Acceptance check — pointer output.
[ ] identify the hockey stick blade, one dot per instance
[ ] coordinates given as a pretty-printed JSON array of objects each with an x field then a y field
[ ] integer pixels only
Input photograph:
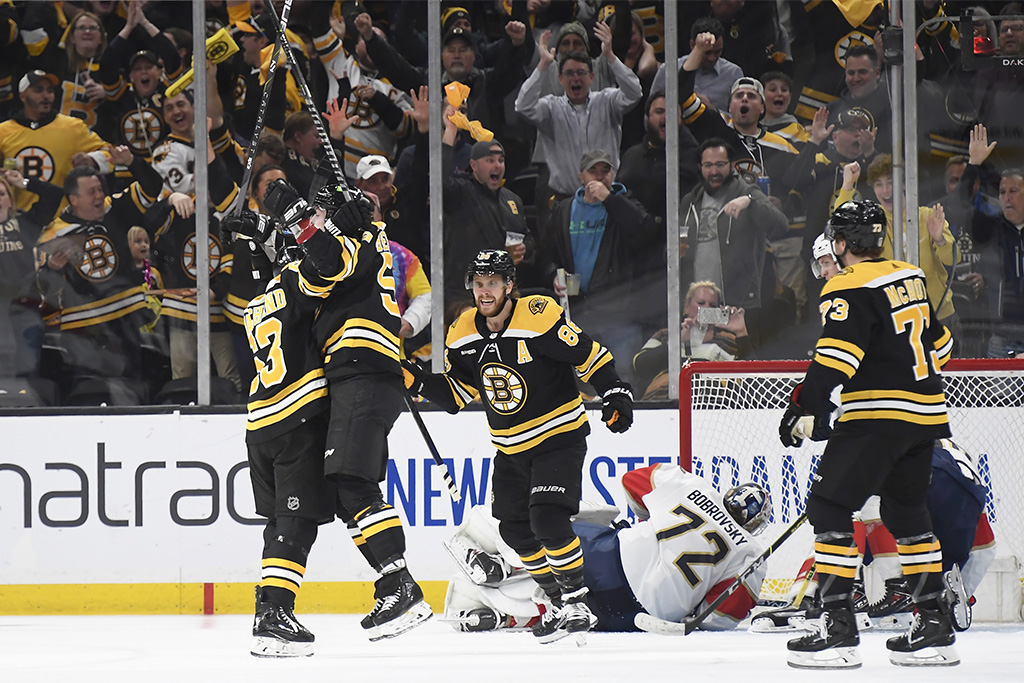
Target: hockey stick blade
[
  {"x": 691, "y": 623},
  {"x": 652, "y": 624},
  {"x": 453, "y": 490}
]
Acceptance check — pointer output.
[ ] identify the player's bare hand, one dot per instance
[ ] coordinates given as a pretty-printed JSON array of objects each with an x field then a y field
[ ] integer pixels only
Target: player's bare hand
[{"x": 979, "y": 148}]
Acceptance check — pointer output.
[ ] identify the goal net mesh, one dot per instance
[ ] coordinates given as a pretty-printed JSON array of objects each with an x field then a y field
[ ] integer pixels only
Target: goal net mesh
[{"x": 729, "y": 419}]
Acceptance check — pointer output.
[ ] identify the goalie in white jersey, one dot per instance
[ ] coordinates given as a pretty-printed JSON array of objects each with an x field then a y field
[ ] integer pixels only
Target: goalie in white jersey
[{"x": 690, "y": 545}]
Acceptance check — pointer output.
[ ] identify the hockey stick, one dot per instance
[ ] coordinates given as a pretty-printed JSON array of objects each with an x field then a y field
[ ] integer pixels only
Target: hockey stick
[
  {"x": 453, "y": 491},
  {"x": 652, "y": 624},
  {"x": 307, "y": 97},
  {"x": 254, "y": 142}
]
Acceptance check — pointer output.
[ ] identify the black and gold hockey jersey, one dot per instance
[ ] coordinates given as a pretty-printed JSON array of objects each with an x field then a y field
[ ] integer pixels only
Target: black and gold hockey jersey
[
  {"x": 883, "y": 344},
  {"x": 289, "y": 385},
  {"x": 524, "y": 375},
  {"x": 357, "y": 328}
]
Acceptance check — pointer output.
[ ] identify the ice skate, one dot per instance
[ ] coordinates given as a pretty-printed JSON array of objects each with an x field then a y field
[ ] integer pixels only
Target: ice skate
[
  {"x": 481, "y": 619},
  {"x": 277, "y": 633},
  {"x": 929, "y": 642},
  {"x": 482, "y": 568},
  {"x": 895, "y": 608},
  {"x": 548, "y": 628},
  {"x": 399, "y": 607},
  {"x": 960, "y": 602},
  {"x": 832, "y": 645},
  {"x": 576, "y": 617}
]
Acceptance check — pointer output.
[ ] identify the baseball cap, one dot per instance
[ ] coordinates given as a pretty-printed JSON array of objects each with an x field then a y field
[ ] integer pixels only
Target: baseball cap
[
  {"x": 259, "y": 25},
  {"x": 148, "y": 55},
  {"x": 482, "y": 149},
  {"x": 457, "y": 32},
  {"x": 596, "y": 156},
  {"x": 33, "y": 77},
  {"x": 371, "y": 165},
  {"x": 748, "y": 83},
  {"x": 855, "y": 116}
]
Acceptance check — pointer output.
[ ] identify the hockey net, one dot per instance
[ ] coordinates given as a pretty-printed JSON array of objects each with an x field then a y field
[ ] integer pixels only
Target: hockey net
[{"x": 729, "y": 420}]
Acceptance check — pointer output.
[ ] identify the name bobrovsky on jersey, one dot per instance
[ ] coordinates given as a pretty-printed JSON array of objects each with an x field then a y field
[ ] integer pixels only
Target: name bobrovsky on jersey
[{"x": 719, "y": 516}]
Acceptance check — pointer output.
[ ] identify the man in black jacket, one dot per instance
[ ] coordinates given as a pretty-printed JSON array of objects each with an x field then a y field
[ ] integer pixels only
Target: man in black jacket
[{"x": 612, "y": 243}]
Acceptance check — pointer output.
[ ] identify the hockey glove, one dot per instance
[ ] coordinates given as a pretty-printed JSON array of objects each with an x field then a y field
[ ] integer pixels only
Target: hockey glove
[
  {"x": 617, "y": 411},
  {"x": 284, "y": 202},
  {"x": 413, "y": 376},
  {"x": 791, "y": 429},
  {"x": 354, "y": 216},
  {"x": 255, "y": 226}
]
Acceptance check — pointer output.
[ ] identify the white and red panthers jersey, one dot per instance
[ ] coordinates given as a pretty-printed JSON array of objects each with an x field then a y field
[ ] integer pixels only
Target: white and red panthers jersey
[{"x": 688, "y": 549}]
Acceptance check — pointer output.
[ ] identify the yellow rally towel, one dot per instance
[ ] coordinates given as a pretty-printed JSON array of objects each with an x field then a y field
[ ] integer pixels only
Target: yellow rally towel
[{"x": 457, "y": 94}]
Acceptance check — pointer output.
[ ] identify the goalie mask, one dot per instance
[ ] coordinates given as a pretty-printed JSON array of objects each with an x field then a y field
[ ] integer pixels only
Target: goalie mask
[
  {"x": 750, "y": 505},
  {"x": 491, "y": 262}
]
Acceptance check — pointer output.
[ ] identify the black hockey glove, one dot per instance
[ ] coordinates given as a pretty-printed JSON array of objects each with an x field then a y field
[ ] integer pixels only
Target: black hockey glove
[
  {"x": 283, "y": 202},
  {"x": 354, "y": 216},
  {"x": 255, "y": 226},
  {"x": 413, "y": 375},
  {"x": 789, "y": 435},
  {"x": 617, "y": 411}
]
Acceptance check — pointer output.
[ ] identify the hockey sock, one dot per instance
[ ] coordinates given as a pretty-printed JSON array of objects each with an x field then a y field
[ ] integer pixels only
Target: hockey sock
[
  {"x": 836, "y": 559},
  {"x": 536, "y": 563},
  {"x": 566, "y": 560},
  {"x": 362, "y": 546},
  {"x": 286, "y": 545},
  {"x": 921, "y": 558},
  {"x": 381, "y": 529}
]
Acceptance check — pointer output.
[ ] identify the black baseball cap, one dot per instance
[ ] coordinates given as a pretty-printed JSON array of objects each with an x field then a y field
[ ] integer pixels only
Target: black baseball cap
[{"x": 148, "y": 55}]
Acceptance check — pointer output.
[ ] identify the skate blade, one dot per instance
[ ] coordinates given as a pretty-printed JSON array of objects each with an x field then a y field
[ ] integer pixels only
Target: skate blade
[
  {"x": 832, "y": 658},
  {"x": 265, "y": 646},
  {"x": 863, "y": 621},
  {"x": 416, "y": 615},
  {"x": 960, "y": 607},
  {"x": 769, "y": 625},
  {"x": 900, "y": 621},
  {"x": 581, "y": 638},
  {"x": 552, "y": 637},
  {"x": 474, "y": 574},
  {"x": 929, "y": 656}
]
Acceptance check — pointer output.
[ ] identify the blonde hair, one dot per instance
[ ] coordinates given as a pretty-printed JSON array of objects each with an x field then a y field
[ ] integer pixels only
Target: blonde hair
[
  {"x": 701, "y": 284},
  {"x": 134, "y": 231}
]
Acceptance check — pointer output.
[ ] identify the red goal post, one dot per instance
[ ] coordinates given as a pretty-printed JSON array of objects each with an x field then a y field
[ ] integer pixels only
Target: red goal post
[{"x": 729, "y": 414}]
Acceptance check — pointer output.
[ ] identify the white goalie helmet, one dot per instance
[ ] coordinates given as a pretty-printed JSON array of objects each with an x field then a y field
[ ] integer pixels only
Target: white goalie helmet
[
  {"x": 822, "y": 247},
  {"x": 750, "y": 505}
]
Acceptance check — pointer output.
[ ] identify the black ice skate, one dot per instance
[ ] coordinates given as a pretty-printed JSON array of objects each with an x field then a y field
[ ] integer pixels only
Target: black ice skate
[
  {"x": 400, "y": 606},
  {"x": 929, "y": 642},
  {"x": 576, "y": 616},
  {"x": 548, "y": 628},
  {"x": 832, "y": 644},
  {"x": 277, "y": 633},
  {"x": 482, "y": 568},
  {"x": 895, "y": 609},
  {"x": 482, "y": 619}
]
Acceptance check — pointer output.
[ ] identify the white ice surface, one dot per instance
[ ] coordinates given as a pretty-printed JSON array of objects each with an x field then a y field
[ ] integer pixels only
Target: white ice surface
[{"x": 190, "y": 649}]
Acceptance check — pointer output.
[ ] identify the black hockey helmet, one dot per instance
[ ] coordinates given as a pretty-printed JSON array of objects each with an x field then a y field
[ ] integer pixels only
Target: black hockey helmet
[
  {"x": 330, "y": 198},
  {"x": 860, "y": 222},
  {"x": 491, "y": 262},
  {"x": 750, "y": 505}
]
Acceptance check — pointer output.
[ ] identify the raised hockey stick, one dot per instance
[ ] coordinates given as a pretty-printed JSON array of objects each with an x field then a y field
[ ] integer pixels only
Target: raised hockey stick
[
  {"x": 652, "y": 624},
  {"x": 254, "y": 141},
  {"x": 453, "y": 490}
]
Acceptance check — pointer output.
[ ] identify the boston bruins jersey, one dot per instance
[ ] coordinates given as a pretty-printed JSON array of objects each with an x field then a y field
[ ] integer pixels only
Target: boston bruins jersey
[
  {"x": 883, "y": 344},
  {"x": 688, "y": 548},
  {"x": 289, "y": 385},
  {"x": 357, "y": 328},
  {"x": 524, "y": 375},
  {"x": 175, "y": 161},
  {"x": 44, "y": 148},
  {"x": 101, "y": 284}
]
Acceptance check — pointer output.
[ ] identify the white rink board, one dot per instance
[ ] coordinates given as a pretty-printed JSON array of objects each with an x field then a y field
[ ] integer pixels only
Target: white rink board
[{"x": 167, "y": 498}]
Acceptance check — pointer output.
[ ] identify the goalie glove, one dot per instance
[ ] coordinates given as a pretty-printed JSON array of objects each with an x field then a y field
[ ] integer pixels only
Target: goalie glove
[
  {"x": 791, "y": 430},
  {"x": 412, "y": 375},
  {"x": 255, "y": 226},
  {"x": 617, "y": 411}
]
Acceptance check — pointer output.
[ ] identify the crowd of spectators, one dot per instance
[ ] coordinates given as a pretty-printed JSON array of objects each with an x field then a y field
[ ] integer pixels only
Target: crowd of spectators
[{"x": 553, "y": 147}]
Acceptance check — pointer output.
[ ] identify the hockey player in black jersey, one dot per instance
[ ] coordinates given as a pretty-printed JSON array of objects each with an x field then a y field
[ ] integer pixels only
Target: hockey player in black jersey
[
  {"x": 883, "y": 348},
  {"x": 356, "y": 333},
  {"x": 520, "y": 356}
]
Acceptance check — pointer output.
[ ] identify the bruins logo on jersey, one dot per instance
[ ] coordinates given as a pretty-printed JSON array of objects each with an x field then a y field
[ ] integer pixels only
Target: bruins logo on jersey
[
  {"x": 36, "y": 162},
  {"x": 504, "y": 388},
  {"x": 850, "y": 40},
  {"x": 99, "y": 262},
  {"x": 141, "y": 129},
  {"x": 189, "y": 256},
  {"x": 537, "y": 306},
  {"x": 749, "y": 170}
]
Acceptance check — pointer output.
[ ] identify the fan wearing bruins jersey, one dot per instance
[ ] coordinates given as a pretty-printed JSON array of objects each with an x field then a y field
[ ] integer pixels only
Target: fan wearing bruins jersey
[
  {"x": 521, "y": 356},
  {"x": 89, "y": 279},
  {"x": 356, "y": 331},
  {"x": 882, "y": 349}
]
